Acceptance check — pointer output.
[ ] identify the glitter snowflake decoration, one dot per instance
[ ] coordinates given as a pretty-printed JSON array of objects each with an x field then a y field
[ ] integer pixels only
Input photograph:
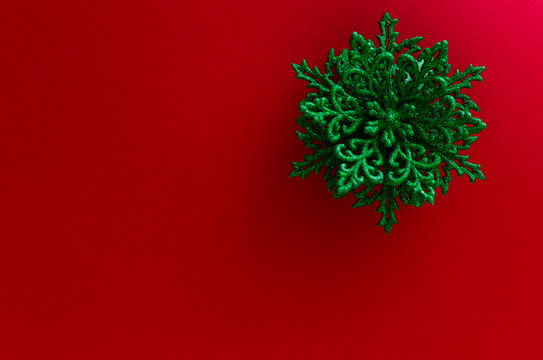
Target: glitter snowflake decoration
[{"x": 385, "y": 124}]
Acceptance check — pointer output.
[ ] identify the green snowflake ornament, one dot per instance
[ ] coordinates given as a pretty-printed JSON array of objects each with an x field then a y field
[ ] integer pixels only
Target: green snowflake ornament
[{"x": 385, "y": 124}]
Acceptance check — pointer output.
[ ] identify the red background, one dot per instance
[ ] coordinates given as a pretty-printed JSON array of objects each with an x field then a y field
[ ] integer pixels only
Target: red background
[{"x": 146, "y": 210}]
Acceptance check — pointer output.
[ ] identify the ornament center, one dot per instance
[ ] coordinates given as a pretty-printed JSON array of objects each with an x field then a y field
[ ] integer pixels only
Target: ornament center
[{"x": 390, "y": 118}]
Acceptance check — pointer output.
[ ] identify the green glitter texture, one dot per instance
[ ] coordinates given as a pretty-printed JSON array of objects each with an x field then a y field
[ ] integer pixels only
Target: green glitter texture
[{"x": 385, "y": 124}]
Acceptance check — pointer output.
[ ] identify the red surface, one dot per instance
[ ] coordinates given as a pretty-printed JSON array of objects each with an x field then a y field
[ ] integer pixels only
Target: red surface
[{"x": 146, "y": 211}]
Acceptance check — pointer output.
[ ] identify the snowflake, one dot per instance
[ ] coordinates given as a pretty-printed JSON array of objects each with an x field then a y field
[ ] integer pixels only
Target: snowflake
[{"x": 385, "y": 124}]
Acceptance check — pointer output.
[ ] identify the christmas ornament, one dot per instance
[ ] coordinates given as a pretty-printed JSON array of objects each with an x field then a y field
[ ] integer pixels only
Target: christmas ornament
[{"x": 387, "y": 122}]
